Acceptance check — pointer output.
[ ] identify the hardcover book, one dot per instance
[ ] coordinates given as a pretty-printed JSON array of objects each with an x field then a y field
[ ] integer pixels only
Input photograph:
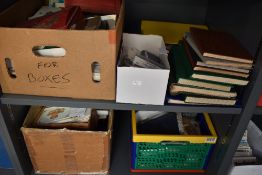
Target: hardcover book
[
  {"x": 200, "y": 100},
  {"x": 195, "y": 63},
  {"x": 220, "y": 45},
  {"x": 190, "y": 90},
  {"x": 213, "y": 61}
]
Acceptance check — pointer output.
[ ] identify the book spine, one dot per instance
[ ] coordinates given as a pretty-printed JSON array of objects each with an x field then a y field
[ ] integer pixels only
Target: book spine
[
  {"x": 209, "y": 85},
  {"x": 222, "y": 72},
  {"x": 229, "y": 64},
  {"x": 210, "y": 101},
  {"x": 223, "y": 67},
  {"x": 176, "y": 89},
  {"x": 228, "y": 58},
  {"x": 221, "y": 79}
]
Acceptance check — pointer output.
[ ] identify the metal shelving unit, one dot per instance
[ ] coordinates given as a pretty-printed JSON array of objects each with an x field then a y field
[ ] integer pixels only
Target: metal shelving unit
[
  {"x": 231, "y": 127},
  {"x": 10, "y": 122}
]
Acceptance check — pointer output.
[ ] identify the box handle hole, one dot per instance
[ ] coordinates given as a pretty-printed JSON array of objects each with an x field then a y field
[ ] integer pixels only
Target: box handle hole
[
  {"x": 48, "y": 51},
  {"x": 96, "y": 72},
  {"x": 10, "y": 68}
]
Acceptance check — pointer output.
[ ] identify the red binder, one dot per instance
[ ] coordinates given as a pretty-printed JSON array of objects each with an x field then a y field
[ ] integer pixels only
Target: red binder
[
  {"x": 96, "y": 6},
  {"x": 260, "y": 102}
]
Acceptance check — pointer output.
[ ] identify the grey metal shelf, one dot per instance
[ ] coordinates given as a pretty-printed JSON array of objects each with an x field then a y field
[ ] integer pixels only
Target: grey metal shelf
[
  {"x": 258, "y": 111},
  {"x": 56, "y": 101}
]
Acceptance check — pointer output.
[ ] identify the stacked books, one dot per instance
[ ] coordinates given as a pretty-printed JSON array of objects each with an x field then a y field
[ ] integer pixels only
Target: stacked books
[
  {"x": 205, "y": 68},
  {"x": 243, "y": 155}
]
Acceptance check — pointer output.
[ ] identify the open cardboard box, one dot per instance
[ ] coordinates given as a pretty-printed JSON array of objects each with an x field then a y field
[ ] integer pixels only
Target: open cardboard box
[
  {"x": 68, "y": 76},
  {"x": 63, "y": 151},
  {"x": 142, "y": 85}
]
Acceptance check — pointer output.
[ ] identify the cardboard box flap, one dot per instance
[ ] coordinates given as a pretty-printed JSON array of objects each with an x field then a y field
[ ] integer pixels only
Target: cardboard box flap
[
  {"x": 32, "y": 115},
  {"x": 119, "y": 27}
]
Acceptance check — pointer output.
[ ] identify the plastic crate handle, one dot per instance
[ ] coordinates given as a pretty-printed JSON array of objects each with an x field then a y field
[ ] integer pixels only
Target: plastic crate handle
[{"x": 174, "y": 142}]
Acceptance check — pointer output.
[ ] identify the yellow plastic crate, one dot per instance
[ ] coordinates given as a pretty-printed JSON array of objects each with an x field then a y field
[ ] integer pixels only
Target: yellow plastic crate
[
  {"x": 170, "y": 31},
  {"x": 210, "y": 139}
]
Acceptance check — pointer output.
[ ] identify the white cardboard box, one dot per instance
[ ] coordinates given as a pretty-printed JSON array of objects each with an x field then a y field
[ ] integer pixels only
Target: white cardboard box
[{"x": 141, "y": 85}]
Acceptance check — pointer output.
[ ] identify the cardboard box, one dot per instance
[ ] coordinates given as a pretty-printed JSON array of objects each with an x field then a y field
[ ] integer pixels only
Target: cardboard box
[
  {"x": 141, "y": 85},
  {"x": 63, "y": 151},
  {"x": 68, "y": 76}
]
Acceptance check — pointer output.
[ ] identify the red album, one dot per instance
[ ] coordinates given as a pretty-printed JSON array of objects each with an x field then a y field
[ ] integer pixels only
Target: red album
[
  {"x": 96, "y": 6},
  {"x": 58, "y": 20},
  {"x": 260, "y": 102}
]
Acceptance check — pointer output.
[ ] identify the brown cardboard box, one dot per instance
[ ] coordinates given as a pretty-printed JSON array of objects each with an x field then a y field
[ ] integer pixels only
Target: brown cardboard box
[
  {"x": 68, "y": 76},
  {"x": 62, "y": 151}
]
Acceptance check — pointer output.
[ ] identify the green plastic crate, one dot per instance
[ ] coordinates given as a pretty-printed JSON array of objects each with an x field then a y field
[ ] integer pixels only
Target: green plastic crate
[{"x": 170, "y": 156}]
